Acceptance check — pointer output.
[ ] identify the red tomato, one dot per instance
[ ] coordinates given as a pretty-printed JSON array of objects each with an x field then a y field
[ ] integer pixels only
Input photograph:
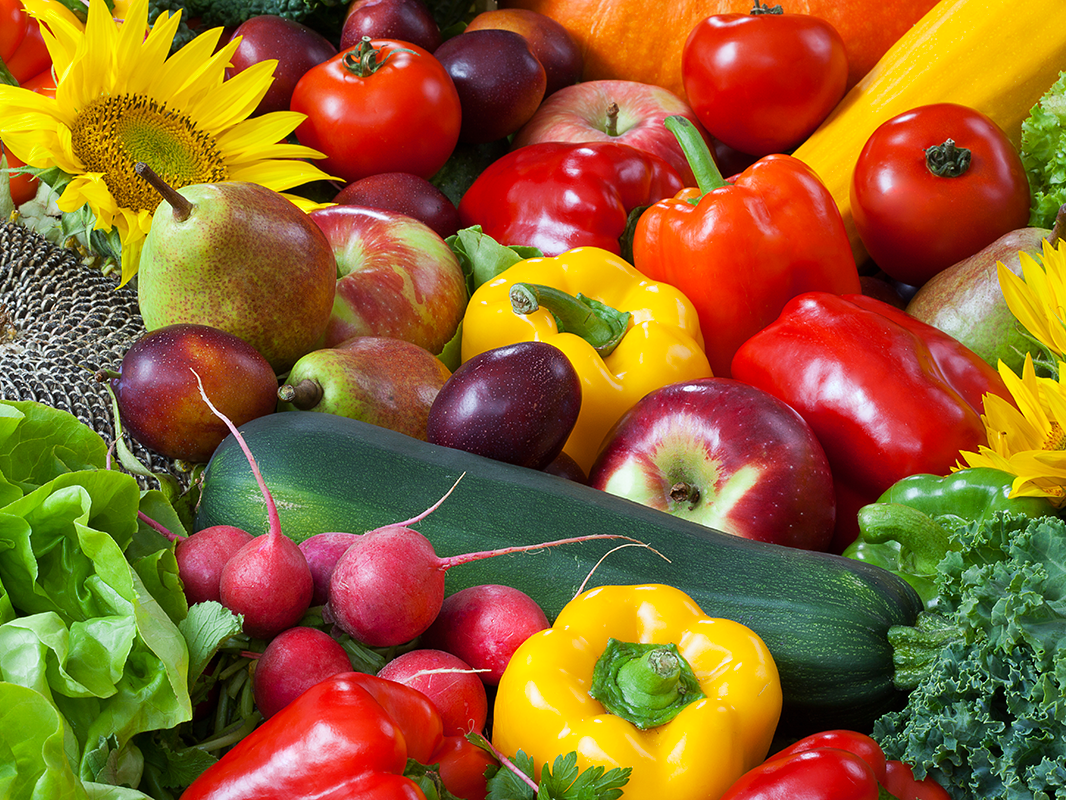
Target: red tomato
[
  {"x": 915, "y": 222},
  {"x": 401, "y": 114},
  {"x": 762, "y": 82},
  {"x": 23, "y": 187},
  {"x": 13, "y": 20},
  {"x": 31, "y": 57}
]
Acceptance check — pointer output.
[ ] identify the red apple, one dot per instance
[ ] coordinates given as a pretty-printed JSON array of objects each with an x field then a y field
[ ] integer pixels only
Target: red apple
[
  {"x": 296, "y": 48},
  {"x": 618, "y": 111},
  {"x": 550, "y": 42},
  {"x": 395, "y": 277},
  {"x": 724, "y": 454}
]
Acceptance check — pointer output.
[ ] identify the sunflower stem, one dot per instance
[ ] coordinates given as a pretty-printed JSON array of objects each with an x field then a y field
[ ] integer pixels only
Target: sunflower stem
[{"x": 181, "y": 205}]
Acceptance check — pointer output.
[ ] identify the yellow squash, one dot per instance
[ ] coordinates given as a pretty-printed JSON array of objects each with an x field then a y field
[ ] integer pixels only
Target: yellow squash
[{"x": 997, "y": 56}]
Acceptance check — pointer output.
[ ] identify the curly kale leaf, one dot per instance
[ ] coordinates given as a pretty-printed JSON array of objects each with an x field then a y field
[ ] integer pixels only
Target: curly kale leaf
[
  {"x": 989, "y": 717},
  {"x": 1043, "y": 152}
]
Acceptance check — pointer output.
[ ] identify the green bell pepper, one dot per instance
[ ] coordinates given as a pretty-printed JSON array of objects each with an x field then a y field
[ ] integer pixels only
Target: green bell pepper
[{"x": 906, "y": 531}]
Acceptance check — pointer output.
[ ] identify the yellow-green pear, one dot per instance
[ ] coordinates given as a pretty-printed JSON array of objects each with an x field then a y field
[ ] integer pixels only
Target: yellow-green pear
[{"x": 241, "y": 257}]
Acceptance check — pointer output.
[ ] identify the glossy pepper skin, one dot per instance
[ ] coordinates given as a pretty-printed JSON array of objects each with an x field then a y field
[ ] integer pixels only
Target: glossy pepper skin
[
  {"x": 887, "y": 396},
  {"x": 556, "y": 196},
  {"x": 544, "y": 708},
  {"x": 348, "y": 736},
  {"x": 906, "y": 530},
  {"x": 741, "y": 249},
  {"x": 833, "y": 765},
  {"x": 661, "y": 342}
]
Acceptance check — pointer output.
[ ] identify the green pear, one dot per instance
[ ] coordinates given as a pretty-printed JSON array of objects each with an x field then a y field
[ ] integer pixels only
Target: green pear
[
  {"x": 965, "y": 300},
  {"x": 377, "y": 379},
  {"x": 240, "y": 257}
]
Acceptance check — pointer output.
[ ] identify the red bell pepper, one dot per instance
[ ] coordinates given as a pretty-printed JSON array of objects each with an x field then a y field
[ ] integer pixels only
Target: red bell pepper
[
  {"x": 886, "y": 395},
  {"x": 348, "y": 736},
  {"x": 833, "y": 765},
  {"x": 740, "y": 250},
  {"x": 556, "y": 196}
]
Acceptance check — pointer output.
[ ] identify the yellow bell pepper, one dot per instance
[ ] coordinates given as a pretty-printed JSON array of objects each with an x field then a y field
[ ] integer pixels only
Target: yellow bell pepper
[
  {"x": 608, "y": 681},
  {"x": 658, "y": 343}
]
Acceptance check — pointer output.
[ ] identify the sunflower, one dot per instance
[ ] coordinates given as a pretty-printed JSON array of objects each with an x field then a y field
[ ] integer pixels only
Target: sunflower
[
  {"x": 120, "y": 99},
  {"x": 1038, "y": 297},
  {"x": 1027, "y": 441}
]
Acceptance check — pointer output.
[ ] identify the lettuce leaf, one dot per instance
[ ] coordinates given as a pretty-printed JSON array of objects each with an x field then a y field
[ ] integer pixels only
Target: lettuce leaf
[
  {"x": 90, "y": 603},
  {"x": 989, "y": 717},
  {"x": 1043, "y": 153}
]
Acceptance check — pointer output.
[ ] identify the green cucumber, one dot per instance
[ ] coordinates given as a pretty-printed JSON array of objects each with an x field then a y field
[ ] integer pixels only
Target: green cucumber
[{"x": 824, "y": 618}]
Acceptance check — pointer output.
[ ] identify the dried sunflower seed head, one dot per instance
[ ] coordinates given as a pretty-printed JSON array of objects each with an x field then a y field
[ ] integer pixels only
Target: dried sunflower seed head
[{"x": 60, "y": 322}]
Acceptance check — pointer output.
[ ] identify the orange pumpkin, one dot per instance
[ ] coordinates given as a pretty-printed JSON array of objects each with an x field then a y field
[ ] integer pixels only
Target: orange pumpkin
[{"x": 642, "y": 40}]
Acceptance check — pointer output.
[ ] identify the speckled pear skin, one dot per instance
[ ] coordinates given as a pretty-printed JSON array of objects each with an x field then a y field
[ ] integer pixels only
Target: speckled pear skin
[
  {"x": 248, "y": 261},
  {"x": 966, "y": 302}
]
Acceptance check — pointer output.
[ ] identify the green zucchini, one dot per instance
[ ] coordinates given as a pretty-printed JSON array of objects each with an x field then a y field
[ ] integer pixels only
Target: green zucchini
[{"x": 824, "y": 618}]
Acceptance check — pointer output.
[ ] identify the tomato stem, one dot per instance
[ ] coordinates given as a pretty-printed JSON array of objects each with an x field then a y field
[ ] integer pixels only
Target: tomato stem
[
  {"x": 761, "y": 9},
  {"x": 697, "y": 153},
  {"x": 362, "y": 60},
  {"x": 947, "y": 160}
]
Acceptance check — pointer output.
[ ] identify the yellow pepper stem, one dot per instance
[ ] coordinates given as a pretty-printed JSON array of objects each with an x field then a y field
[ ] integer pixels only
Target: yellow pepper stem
[
  {"x": 645, "y": 684},
  {"x": 597, "y": 323}
]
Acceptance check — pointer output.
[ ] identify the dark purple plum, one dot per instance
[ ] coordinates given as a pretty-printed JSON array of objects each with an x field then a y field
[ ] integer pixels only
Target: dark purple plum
[
  {"x": 404, "y": 193},
  {"x": 550, "y": 42},
  {"x": 158, "y": 399},
  {"x": 499, "y": 80},
  {"x": 516, "y": 403},
  {"x": 405, "y": 20},
  {"x": 296, "y": 47}
]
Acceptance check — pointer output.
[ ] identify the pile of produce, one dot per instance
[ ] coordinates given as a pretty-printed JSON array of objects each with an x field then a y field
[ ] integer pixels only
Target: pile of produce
[{"x": 540, "y": 400}]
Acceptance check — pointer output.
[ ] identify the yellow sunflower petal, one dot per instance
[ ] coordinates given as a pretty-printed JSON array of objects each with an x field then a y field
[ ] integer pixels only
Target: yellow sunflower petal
[
  {"x": 236, "y": 98},
  {"x": 122, "y": 97}
]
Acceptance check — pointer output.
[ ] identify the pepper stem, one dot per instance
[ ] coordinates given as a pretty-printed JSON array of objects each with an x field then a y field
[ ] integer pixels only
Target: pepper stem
[
  {"x": 947, "y": 160},
  {"x": 645, "y": 684},
  {"x": 697, "y": 153},
  {"x": 922, "y": 538},
  {"x": 597, "y": 323}
]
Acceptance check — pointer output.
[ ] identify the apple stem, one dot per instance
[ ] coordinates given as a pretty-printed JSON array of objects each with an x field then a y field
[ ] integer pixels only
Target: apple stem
[
  {"x": 685, "y": 493},
  {"x": 305, "y": 395},
  {"x": 612, "y": 119},
  {"x": 181, "y": 205}
]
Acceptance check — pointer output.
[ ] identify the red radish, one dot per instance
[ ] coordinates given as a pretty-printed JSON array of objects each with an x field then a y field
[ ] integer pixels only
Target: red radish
[
  {"x": 294, "y": 661},
  {"x": 201, "y": 558},
  {"x": 388, "y": 587},
  {"x": 322, "y": 551},
  {"x": 483, "y": 625},
  {"x": 450, "y": 684},
  {"x": 267, "y": 580}
]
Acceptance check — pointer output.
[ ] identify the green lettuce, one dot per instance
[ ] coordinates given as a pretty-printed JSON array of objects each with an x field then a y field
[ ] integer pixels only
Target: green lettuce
[
  {"x": 1043, "y": 152},
  {"x": 91, "y": 653},
  {"x": 986, "y": 712}
]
